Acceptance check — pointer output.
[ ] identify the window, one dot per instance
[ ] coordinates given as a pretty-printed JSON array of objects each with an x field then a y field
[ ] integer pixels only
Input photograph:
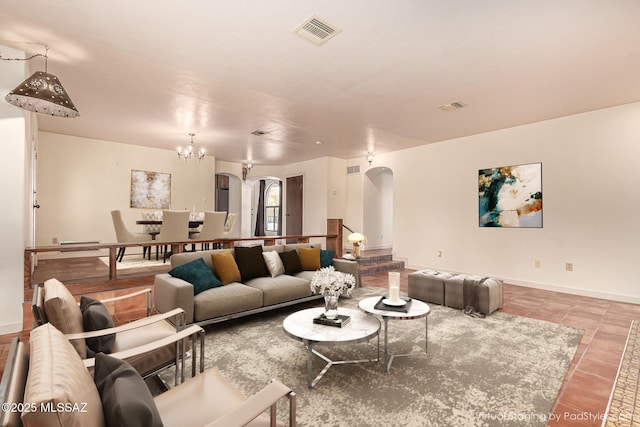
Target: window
[{"x": 272, "y": 207}]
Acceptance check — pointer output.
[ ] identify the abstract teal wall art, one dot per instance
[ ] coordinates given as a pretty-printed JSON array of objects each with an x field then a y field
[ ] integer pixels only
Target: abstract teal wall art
[{"x": 511, "y": 196}]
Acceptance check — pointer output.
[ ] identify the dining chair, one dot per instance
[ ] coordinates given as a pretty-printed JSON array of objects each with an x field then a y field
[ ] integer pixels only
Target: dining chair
[
  {"x": 232, "y": 218},
  {"x": 175, "y": 228},
  {"x": 123, "y": 235},
  {"x": 212, "y": 228}
]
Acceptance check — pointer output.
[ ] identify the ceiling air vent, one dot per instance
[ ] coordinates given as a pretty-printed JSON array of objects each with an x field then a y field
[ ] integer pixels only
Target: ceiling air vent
[
  {"x": 353, "y": 169},
  {"x": 258, "y": 132},
  {"x": 316, "y": 31},
  {"x": 455, "y": 105}
]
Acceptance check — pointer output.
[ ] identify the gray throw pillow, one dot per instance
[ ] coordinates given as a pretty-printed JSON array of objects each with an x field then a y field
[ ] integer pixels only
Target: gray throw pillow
[
  {"x": 126, "y": 399},
  {"x": 96, "y": 317}
]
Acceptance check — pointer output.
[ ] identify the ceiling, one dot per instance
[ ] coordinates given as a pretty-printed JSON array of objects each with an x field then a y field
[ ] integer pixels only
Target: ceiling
[{"x": 149, "y": 72}]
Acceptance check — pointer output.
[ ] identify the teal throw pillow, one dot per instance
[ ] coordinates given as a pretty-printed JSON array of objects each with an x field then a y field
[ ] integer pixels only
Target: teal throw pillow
[
  {"x": 326, "y": 258},
  {"x": 198, "y": 273}
]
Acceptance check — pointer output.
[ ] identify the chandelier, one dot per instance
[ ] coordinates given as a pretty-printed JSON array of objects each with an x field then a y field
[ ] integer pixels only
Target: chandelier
[
  {"x": 190, "y": 151},
  {"x": 42, "y": 93}
]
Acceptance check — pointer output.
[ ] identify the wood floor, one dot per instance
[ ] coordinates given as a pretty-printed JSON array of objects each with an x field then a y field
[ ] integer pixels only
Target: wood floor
[{"x": 584, "y": 395}]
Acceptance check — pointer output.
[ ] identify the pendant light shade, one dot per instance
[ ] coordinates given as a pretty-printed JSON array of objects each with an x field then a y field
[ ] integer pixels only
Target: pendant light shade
[{"x": 43, "y": 93}]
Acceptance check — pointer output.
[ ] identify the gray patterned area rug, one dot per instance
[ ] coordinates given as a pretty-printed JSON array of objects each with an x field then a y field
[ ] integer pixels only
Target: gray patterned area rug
[{"x": 503, "y": 370}]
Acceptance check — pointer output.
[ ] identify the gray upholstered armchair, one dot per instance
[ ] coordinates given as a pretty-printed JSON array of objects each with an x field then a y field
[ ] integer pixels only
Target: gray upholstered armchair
[
  {"x": 34, "y": 382},
  {"x": 53, "y": 303}
]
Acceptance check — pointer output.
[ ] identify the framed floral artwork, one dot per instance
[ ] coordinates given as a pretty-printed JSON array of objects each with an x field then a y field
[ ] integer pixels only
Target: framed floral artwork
[{"x": 150, "y": 190}]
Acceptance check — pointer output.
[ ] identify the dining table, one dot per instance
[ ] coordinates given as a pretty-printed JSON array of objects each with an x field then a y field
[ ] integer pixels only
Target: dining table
[{"x": 192, "y": 223}]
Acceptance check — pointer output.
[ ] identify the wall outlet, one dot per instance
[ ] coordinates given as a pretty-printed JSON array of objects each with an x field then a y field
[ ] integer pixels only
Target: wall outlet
[
  {"x": 54, "y": 240},
  {"x": 537, "y": 263},
  {"x": 568, "y": 266}
]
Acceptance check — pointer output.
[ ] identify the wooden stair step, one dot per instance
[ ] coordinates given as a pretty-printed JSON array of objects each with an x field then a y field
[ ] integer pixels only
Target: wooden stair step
[
  {"x": 376, "y": 259},
  {"x": 380, "y": 267}
]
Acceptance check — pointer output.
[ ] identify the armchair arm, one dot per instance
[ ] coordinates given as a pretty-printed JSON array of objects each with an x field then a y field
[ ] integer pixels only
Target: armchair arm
[
  {"x": 125, "y": 354},
  {"x": 146, "y": 291},
  {"x": 170, "y": 292},
  {"x": 132, "y": 325},
  {"x": 257, "y": 404}
]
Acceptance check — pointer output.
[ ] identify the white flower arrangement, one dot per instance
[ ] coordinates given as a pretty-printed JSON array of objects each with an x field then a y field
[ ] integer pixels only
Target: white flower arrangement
[{"x": 328, "y": 281}]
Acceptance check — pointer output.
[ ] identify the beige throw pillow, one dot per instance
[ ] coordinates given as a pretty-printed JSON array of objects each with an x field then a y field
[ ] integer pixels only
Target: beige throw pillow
[{"x": 274, "y": 263}]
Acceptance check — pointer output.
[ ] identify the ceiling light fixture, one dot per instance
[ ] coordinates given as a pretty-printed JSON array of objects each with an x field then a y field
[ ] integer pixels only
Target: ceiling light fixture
[
  {"x": 190, "y": 151},
  {"x": 246, "y": 167},
  {"x": 370, "y": 157},
  {"x": 42, "y": 92}
]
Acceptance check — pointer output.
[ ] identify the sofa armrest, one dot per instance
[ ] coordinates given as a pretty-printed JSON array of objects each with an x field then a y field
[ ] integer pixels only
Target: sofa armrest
[
  {"x": 346, "y": 266},
  {"x": 170, "y": 292}
]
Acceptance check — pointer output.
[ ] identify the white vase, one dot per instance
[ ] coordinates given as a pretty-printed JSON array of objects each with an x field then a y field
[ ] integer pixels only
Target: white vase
[{"x": 331, "y": 306}]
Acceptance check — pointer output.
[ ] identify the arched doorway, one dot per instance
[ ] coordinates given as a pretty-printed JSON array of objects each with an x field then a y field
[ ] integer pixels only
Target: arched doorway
[{"x": 378, "y": 208}]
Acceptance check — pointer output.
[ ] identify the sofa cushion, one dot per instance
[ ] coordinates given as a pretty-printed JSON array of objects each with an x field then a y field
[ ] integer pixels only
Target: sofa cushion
[
  {"x": 63, "y": 312},
  {"x": 326, "y": 258},
  {"x": 198, "y": 273},
  {"x": 250, "y": 262},
  {"x": 228, "y": 299},
  {"x": 226, "y": 267},
  {"x": 291, "y": 262},
  {"x": 126, "y": 399},
  {"x": 280, "y": 289},
  {"x": 96, "y": 317},
  {"x": 273, "y": 262},
  {"x": 58, "y": 379},
  {"x": 309, "y": 258}
]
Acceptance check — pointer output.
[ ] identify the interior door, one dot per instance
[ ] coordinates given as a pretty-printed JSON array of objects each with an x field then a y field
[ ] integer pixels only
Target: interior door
[{"x": 294, "y": 205}]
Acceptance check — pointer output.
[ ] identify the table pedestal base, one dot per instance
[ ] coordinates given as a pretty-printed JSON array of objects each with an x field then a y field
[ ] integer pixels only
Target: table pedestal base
[
  {"x": 311, "y": 382},
  {"x": 388, "y": 357}
]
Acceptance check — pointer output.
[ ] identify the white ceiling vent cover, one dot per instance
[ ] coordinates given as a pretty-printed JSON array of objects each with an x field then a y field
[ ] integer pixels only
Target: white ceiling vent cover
[
  {"x": 353, "y": 169},
  {"x": 316, "y": 30},
  {"x": 455, "y": 105}
]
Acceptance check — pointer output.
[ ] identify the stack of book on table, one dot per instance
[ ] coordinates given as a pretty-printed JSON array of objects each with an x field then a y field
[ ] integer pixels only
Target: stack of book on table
[{"x": 338, "y": 322}]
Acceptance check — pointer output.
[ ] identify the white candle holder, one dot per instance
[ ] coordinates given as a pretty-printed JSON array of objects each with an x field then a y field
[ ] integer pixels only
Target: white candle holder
[{"x": 394, "y": 286}]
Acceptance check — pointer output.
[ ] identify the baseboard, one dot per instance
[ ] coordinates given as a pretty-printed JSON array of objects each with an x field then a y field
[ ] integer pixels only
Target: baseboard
[
  {"x": 10, "y": 328},
  {"x": 577, "y": 291},
  {"x": 555, "y": 288}
]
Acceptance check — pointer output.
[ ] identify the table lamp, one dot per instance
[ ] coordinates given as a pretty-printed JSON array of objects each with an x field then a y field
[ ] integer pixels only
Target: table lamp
[{"x": 356, "y": 239}]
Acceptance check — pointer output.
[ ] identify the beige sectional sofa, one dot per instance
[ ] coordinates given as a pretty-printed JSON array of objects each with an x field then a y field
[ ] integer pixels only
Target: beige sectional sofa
[{"x": 245, "y": 296}]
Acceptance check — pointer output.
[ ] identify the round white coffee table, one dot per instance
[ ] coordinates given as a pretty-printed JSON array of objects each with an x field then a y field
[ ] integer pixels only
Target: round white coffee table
[
  {"x": 417, "y": 310},
  {"x": 360, "y": 328}
]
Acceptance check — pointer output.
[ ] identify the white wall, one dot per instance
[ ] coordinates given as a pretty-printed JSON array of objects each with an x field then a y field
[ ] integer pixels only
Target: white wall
[
  {"x": 590, "y": 204},
  {"x": 80, "y": 181},
  {"x": 14, "y": 165}
]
